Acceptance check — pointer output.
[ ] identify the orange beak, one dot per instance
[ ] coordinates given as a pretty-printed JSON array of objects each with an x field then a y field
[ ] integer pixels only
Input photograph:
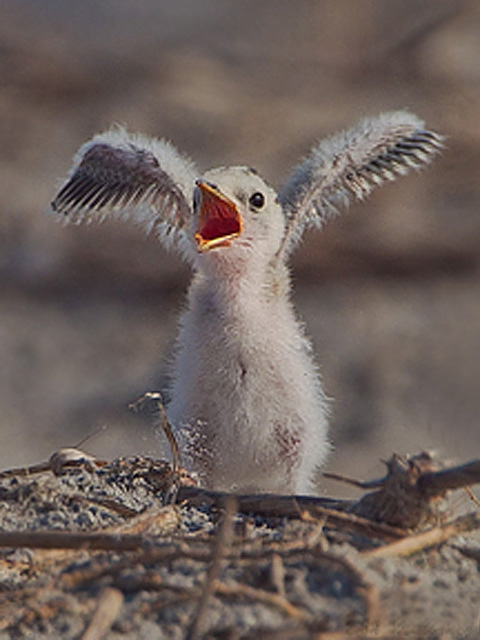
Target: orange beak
[{"x": 219, "y": 220}]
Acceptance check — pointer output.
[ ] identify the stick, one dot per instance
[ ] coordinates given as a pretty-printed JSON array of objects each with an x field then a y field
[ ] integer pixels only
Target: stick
[
  {"x": 108, "y": 608},
  {"x": 141, "y": 403},
  {"x": 222, "y": 544},
  {"x": 294, "y": 507},
  {"x": 431, "y": 538}
]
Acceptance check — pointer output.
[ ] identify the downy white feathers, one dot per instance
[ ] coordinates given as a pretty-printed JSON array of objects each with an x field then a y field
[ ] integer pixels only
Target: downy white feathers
[{"x": 247, "y": 403}]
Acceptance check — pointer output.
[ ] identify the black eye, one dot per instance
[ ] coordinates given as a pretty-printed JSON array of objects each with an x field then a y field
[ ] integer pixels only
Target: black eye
[
  {"x": 196, "y": 198},
  {"x": 257, "y": 200}
]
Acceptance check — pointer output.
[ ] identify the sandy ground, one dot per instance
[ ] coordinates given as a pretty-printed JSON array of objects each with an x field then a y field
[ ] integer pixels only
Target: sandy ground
[
  {"x": 97, "y": 553},
  {"x": 389, "y": 292}
]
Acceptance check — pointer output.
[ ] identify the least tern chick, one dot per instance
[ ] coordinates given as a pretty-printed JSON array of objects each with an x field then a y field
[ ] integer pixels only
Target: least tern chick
[{"x": 248, "y": 405}]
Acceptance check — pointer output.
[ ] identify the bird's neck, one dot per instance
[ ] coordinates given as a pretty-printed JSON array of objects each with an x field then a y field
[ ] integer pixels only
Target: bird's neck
[
  {"x": 237, "y": 286},
  {"x": 229, "y": 270}
]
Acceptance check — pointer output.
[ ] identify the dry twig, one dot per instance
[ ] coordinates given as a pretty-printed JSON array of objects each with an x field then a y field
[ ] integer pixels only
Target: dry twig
[
  {"x": 161, "y": 420},
  {"x": 472, "y": 497},
  {"x": 432, "y": 537},
  {"x": 108, "y": 608},
  {"x": 271, "y": 505},
  {"x": 244, "y": 591},
  {"x": 222, "y": 544},
  {"x": 145, "y": 402},
  {"x": 277, "y": 574},
  {"x": 72, "y": 540},
  {"x": 406, "y": 496}
]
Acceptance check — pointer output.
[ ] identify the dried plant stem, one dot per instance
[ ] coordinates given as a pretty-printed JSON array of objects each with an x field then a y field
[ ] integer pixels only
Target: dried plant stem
[
  {"x": 108, "y": 608},
  {"x": 352, "y": 481},
  {"x": 259, "y": 595},
  {"x": 295, "y": 507},
  {"x": 222, "y": 544},
  {"x": 432, "y": 537},
  {"x": 69, "y": 540},
  {"x": 472, "y": 496},
  {"x": 436, "y": 482},
  {"x": 162, "y": 420}
]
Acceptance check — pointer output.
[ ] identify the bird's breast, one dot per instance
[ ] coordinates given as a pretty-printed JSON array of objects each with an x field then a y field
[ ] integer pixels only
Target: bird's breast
[
  {"x": 236, "y": 356},
  {"x": 245, "y": 389}
]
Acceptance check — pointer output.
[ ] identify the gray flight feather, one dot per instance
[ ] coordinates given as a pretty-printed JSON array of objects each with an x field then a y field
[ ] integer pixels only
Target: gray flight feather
[
  {"x": 348, "y": 166},
  {"x": 131, "y": 177}
]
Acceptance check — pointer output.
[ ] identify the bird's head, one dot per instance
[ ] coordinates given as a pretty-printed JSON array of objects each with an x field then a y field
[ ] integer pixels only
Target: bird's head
[{"x": 237, "y": 215}]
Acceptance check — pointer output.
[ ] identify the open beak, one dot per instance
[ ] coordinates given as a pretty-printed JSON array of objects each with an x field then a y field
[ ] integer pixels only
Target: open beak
[{"x": 219, "y": 220}]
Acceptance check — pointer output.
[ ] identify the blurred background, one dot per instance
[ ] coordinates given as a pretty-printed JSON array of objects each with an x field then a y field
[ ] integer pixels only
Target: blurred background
[{"x": 389, "y": 292}]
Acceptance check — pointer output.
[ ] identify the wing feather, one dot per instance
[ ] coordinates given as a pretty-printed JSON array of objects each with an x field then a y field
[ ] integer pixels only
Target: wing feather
[
  {"x": 349, "y": 165},
  {"x": 130, "y": 177}
]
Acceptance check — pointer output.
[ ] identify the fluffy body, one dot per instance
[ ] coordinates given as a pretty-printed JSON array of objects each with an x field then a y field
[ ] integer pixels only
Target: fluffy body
[
  {"x": 246, "y": 398},
  {"x": 247, "y": 402}
]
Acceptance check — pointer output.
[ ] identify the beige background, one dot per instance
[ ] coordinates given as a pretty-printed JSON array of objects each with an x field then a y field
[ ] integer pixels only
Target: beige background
[{"x": 389, "y": 292}]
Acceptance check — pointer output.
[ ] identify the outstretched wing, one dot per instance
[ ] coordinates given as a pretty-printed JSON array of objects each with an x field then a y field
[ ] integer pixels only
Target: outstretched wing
[
  {"x": 130, "y": 177},
  {"x": 349, "y": 165}
]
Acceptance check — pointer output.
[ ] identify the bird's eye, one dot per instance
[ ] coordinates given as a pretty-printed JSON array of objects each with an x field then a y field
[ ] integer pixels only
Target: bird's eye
[
  {"x": 195, "y": 200},
  {"x": 257, "y": 200}
]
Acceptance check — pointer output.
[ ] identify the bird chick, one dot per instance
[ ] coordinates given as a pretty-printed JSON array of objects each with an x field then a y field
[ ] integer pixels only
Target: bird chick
[
  {"x": 246, "y": 395},
  {"x": 247, "y": 406}
]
